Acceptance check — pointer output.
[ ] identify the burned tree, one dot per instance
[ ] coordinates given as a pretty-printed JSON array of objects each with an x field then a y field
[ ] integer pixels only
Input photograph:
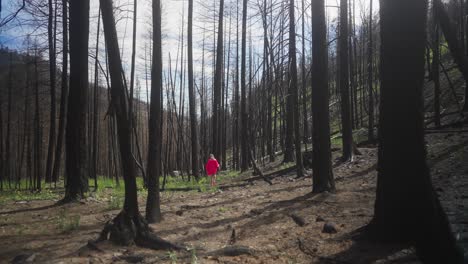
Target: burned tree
[
  {"x": 407, "y": 209},
  {"x": 129, "y": 225},
  {"x": 321, "y": 154}
]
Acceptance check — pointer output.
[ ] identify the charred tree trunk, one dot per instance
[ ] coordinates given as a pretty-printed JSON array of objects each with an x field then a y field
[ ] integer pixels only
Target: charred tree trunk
[
  {"x": 37, "y": 129},
  {"x": 370, "y": 88},
  {"x": 52, "y": 71},
  {"x": 407, "y": 209},
  {"x": 454, "y": 45},
  {"x": 75, "y": 140},
  {"x": 217, "y": 85},
  {"x": 94, "y": 156},
  {"x": 128, "y": 226},
  {"x": 346, "y": 124},
  {"x": 153, "y": 205},
  {"x": 64, "y": 93},
  {"x": 293, "y": 89},
  {"x": 321, "y": 155},
  {"x": 436, "y": 70},
  {"x": 244, "y": 157},
  {"x": 192, "y": 99}
]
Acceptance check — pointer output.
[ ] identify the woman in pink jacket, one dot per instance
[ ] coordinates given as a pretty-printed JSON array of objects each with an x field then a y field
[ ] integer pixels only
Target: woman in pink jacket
[{"x": 211, "y": 168}]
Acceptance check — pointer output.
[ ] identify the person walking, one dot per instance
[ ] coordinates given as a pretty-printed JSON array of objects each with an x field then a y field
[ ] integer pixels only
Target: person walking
[{"x": 212, "y": 167}]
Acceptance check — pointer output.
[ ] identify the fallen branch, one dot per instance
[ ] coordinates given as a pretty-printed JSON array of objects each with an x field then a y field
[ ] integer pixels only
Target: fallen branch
[
  {"x": 272, "y": 174},
  {"x": 232, "y": 251},
  {"x": 257, "y": 169}
]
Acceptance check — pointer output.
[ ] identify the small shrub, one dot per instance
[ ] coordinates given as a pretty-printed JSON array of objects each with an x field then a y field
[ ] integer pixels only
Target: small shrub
[
  {"x": 172, "y": 256},
  {"x": 115, "y": 202},
  {"x": 68, "y": 223},
  {"x": 194, "y": 258}
]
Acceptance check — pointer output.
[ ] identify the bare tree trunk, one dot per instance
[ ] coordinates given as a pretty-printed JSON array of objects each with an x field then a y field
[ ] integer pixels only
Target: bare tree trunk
[
  {"x": 244, "y": 120},
  {"x": 94, "y": 156},
  {"x": 436, "y": 69},
  {"x": 455, "y": 48},
  {"x": 128, "y": 226},
  {"x": 370, "y": 71},
  {"x": 192, "y": 99},
  {"x": 293, "y": 89},
  {"x": 52, "y": 71},
  {"x": 407, "y": 209},
  {"x": 347, "y": 132},
  {"x": 321, "y": 155},
  {"x": 64, "y": 93},
  {"x": 37, "y": 129},
  {"x": 8, "y": 161},
  {"x": 76, "y": 143},
  {"x": 153, "y": 207},
  {"x": 217, "y": 85},
  {"x": 305, "y": 135}
]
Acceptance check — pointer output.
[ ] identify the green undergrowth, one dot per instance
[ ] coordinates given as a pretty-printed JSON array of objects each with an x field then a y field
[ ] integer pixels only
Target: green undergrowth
[
  {"x": 108, "y": 190},
  {"x": 67, "y": 222},
  {"x": 27, "y": 195}
]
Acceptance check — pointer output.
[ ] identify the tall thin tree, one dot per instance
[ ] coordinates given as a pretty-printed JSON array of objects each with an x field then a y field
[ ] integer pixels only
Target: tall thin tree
[
  {"x": 75, "y": 139},
  {"x": 346, "y": 125},
  {"x": 153, "y": 204},
  {"x": 293, "y": 89},
  {"x": 52, "y": 71},
  {"x": 321, "y": 155},
  {"x": 64, "y": 92},
  {"x": 191, "y": 90}
]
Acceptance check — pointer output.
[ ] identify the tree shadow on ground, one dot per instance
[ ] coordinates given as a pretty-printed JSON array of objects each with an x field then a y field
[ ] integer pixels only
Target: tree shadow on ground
[
  {"x": 30, "y": 209},
  {"x": 364, "y": 250}
]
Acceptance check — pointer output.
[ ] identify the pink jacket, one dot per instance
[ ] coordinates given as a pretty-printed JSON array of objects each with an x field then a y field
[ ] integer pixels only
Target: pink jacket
[{"x": 212, "y": 167}]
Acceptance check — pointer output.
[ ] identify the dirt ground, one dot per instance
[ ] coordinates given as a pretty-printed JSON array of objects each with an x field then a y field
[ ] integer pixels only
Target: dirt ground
[{"x": 258, "y": 214}]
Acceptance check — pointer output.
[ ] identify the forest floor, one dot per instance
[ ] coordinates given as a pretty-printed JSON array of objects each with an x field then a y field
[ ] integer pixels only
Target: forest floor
[{"x": 261, "y": 215}]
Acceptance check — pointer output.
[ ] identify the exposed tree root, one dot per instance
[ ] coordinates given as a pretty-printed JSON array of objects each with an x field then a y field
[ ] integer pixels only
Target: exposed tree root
[{"x": 126, "y": 229}]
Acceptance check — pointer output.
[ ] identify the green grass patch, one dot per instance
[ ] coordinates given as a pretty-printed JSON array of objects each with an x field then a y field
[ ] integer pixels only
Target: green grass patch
[
  {"x": 27, "y": 195},
  {"x": 67, "y": 223}
]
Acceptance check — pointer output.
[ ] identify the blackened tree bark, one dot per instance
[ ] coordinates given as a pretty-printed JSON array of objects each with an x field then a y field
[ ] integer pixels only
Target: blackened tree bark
[
  {"x": 291, "y": 98},
  {"x": 94, "y": 156},
  {"x": 37, "y": 127},
  {"x": 436, "y": 69},
  {"x": 64, "y": 93},
  {"x": 293, "y": 89},
  {"x": 407, "y": 209},
  {"x": 128, "y": 226},
  {"x": 454, "y": 45},
  {"x": 305, "y": 115},
  {"x": 153, "y": 204},
  {"x": 192, "y": 101},
  {"x": 244, "y": 157},
  {"x": 52, "y": 71},
  {"x": 321, "y": 155},
  {"x": 346, "y": 125},
  {"x": 75, "y": 139},
  {"x": 1, "y": 144},
  {"x": 370, "y": 89},
  {"x": 8, "y": 160},
  {"x": 217, "y": 85}
]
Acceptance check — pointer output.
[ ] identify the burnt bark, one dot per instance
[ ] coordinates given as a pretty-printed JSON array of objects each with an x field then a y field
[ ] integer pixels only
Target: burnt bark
[
  {"x": 407, "y": 209},
  {"x": 75, "y": 139},
  {"x": 321, "y": 155},
  {"x": 128, "y": 226},
  {"x": 153, "y": 207}
]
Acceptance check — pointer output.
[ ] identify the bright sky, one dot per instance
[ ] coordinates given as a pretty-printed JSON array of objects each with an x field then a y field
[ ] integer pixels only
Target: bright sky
[{"x": 174, "y": 13}]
